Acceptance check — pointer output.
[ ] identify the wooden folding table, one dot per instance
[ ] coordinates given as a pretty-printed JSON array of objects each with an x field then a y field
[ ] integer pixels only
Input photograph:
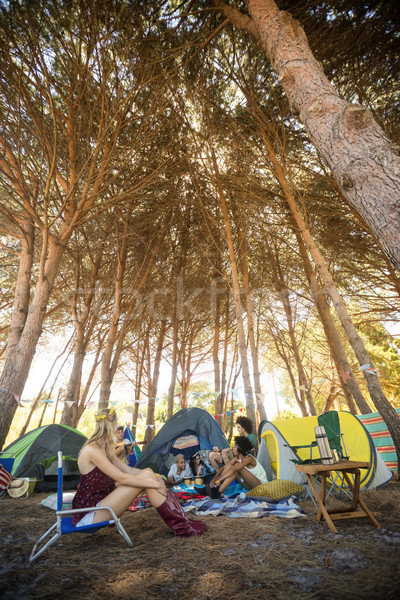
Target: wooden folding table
[{"x": 346, "y": 467}]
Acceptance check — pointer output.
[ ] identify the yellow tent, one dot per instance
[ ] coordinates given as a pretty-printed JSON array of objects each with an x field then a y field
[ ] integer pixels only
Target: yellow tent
[{"x": 279, "y": 441}]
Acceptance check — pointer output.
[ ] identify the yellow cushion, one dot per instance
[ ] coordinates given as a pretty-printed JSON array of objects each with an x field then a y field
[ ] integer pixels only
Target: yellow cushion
[{"x": 278, "y": 489}]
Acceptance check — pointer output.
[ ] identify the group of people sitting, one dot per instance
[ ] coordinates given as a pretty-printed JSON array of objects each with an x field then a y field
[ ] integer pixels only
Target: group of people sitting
[
  {"x": 196, "y": 468},
  {"x": 106, "y": 480},
  {"x": 227, "y": 466}
]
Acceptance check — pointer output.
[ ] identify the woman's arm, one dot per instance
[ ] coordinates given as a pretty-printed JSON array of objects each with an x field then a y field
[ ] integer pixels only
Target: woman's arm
[
  {"x": 220, "y": 474},
  {"x": 125, "y": 468},
  {"x": 120, "y": 450},
  {"x": 247, "y": 461},
  {"x": 119, "y": 471}
]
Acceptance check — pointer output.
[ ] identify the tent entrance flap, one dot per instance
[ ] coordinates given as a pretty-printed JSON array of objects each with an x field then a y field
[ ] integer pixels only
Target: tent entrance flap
[
  {"x": 186, "y": 427},
  {"x": 186, "y": 444}
]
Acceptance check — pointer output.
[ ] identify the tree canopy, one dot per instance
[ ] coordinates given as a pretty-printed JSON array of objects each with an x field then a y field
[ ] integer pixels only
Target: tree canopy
[{"x": 168, "y": 198}]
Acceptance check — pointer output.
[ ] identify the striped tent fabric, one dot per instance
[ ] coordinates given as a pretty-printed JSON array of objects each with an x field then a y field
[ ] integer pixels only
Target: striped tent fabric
[
  {"x": 382, "y": 439},
  {"x": 186, "y": 441}
]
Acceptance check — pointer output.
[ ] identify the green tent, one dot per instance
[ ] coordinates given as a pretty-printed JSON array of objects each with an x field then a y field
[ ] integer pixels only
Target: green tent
[{"x": 36, "y": 451}]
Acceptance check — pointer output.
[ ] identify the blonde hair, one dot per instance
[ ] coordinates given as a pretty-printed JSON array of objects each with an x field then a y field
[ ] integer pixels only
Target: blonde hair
[{"x": 105, "y": 430}]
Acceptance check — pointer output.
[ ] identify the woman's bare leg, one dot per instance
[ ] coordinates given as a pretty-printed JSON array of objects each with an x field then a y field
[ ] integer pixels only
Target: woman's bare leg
[
  {"x": 122, "y": 497},
  {"x": 248, "y": 480},
  {"x": 226, "y": 482},
  {"x": 226, "y": 455},
  {"x": 230, "y": 473},
  {"x": 215, "y": 459}
]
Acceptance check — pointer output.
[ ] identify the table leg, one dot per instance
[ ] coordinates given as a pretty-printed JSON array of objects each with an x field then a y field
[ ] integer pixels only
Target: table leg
[
  {"x": 323, "y": 495},
  {"x": 321, "y": 507},
  {"x": 358, "y": 500}
]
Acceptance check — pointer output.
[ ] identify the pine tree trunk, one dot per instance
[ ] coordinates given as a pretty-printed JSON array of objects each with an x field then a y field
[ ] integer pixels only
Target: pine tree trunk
[
  {"x": 383, "y": 406},
  {"x": 363, "y": 161},
  {"x": 303, "y": 380},
  {"x": 135, "y": 416},
  {"x": 238, "y": 304},
  {"x": 74, "y": 383},
  {"x": 19, "y": 355},
  {"x": 84, "y": 323},
  {"x": 349, "y": 386},
  {"x": 174, "y": 369},
  {"x": 216, "y": 312},
  {"x": 250, "y": 326},
  {"x": 302, "y": 235},
  {"x": 374, "y": 387},
  {"x": 219, "y": 405},
  {"x": 299, "y": 398},
  {"x": 150, "y": 431},
  {"x": 216, "y": 309},
  {"x": 117, "y": 333},
  {"x": 81, "y": 402},
  {"x": 23, "y": 285},
  {"x": 39, "y": 395}
]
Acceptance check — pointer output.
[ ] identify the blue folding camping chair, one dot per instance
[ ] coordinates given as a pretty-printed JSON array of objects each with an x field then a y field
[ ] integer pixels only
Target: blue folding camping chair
[{"x": 63, "y": 524}]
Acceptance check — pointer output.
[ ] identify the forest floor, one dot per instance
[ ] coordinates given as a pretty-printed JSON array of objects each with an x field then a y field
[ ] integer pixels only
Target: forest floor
[{"x": 266, "y": 558}]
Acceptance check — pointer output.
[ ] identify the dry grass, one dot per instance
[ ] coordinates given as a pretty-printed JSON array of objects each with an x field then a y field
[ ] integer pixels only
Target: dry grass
[{"x": 257, "y": 558}]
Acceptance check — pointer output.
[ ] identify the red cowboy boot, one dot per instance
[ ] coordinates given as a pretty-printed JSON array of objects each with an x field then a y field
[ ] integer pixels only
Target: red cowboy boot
[{"x": 173, "y": 515}]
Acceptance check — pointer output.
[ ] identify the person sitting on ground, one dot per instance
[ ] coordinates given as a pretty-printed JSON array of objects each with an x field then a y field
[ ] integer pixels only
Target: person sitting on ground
[
  {"x": 243, "y": 468},
  {"x": 219, "y": 457},
  {"x": 199, "y": 468},
  {"x": 100, "y": 470},
  {"x": 179, "y": 470}
]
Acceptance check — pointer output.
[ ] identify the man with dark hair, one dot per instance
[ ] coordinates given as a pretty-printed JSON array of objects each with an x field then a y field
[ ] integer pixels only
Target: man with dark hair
[
  {"x": 179, "y": 470},
  {"x": 245, "y": 427},
  {"x": 220, "y": 457}
]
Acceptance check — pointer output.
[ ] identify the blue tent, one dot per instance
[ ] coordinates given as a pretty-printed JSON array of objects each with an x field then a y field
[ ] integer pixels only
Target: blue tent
[{"x": 187, "y": 431}]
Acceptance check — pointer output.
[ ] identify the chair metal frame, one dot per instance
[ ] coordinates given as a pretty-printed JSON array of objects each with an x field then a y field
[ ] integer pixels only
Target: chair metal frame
[
  {"x": 337, "y": 485},
  {"x": 63, "y": 524}
]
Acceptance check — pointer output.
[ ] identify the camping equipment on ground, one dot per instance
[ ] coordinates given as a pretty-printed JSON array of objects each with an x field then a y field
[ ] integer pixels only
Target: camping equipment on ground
[
  {"x": 287, "y": 442},
  {"x": 381, "y": 437},
  {"x": 345, "y": 468},
  {"x": 36, "y": 455},
  {"x": 18, "y": 488},
  {"x": 51, "y": 501},
  {"x": 63, "y": 524},
  {"x": 328, "y": 439},
  {"x": 242, "y": 507},
  {"x": 5, "y": 478},
  {"x": 323, "y": 446},
  {"x": 276, "y": 490},
  {"x": 187, "y": 431}
]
